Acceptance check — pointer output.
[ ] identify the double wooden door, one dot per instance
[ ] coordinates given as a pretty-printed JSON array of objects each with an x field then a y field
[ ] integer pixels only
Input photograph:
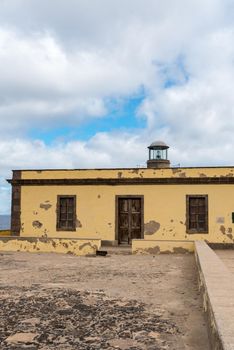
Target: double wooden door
[{"x": 129, "y": 219}]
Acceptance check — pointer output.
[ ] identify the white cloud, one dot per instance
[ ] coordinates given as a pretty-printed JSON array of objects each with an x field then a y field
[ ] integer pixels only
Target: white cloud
[
  {"x": 40, "y": 80},
  {"x": 104, "y": 150}
]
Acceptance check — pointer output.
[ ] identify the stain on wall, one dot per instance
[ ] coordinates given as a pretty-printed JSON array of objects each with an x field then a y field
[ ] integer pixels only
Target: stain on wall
[
  {"x": 151, "y": 227},
  {"x": 220, "y": 220}
]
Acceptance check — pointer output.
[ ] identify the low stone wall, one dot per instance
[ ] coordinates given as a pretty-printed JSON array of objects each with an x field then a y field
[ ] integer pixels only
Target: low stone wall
[
  {"x": 142, "y": 246},
  {"x": 50, "y": 245},
  {"x": 217, "y": 285},
  {"x": 4, "y": 233}
]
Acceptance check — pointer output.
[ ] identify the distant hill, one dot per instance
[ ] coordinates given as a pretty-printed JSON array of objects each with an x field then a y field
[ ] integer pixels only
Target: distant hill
[{"x": 5, "y": 222}]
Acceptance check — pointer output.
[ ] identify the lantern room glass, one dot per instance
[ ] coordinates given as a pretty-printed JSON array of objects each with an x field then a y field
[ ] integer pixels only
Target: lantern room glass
[{"x": 157, "y": 154}]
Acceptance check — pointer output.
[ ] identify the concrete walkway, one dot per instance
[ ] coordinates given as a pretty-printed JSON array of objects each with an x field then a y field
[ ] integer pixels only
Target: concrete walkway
[
  {"x": 227, "y": 256},
  {"x": 217, "y": 284}
]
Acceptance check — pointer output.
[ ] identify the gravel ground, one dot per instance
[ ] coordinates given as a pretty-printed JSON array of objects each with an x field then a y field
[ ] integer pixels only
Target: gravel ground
[{"x": 55, "y": 301}]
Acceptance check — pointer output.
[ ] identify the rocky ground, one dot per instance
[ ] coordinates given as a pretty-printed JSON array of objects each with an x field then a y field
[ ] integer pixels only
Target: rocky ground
[{"x": 50, "y": 301}]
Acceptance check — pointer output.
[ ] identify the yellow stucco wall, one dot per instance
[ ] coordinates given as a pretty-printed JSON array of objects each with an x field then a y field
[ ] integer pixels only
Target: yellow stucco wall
[
  {"x": 164, "y": 205},
  {"x": 65, "y": 246}
]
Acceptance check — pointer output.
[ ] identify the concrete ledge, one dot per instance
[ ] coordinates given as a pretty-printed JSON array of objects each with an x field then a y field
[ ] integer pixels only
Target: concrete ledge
[
  {"x": 217, "y": 285},
  {"x": 143, "y": 246},
  {"x": 50, "y": 245}
]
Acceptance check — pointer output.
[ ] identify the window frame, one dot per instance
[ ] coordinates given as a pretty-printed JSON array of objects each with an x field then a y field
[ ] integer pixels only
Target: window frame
[
  {"x": 196, "y": 230},
  {"x": 58, "y": 223}
]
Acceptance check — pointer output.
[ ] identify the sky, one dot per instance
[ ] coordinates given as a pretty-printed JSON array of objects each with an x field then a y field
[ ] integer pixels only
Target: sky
[{"x": 91, "y": 83}]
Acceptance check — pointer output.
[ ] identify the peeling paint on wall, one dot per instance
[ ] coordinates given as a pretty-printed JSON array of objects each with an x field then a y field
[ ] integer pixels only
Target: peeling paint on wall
[
  {"x": 229, "y": 235},
  {"x": 175, "y": 170},
  {"x": 85, "y": 245},
  {"x": 45, "y": 206},
  {"x": 37, "y": 224},
  {"x": 55, "y": 245},
  {"x": 180, "y": 250},
  {"x": 154, "y": 250},
  {"x": 135, "y": 171},
  {"x": 22, "y": 227},
  {"x": 78, "y": 223},
  {"x": 161, "y": 247},
  {"x": 182, "y": 175},
  {"x": 223, "y": 229},
  {"x": 227, "y": 232},
  {"x": 151, "y": 227}
]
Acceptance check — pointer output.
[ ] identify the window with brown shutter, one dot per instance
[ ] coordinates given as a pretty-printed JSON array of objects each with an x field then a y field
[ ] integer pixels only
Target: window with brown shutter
[
  {"x": 66, "y": 213},
  {"x": 197, "y": 213}
]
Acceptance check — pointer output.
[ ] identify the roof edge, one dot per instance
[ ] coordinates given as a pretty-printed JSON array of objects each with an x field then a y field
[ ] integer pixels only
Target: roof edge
[{"x": 133, "y": 168}]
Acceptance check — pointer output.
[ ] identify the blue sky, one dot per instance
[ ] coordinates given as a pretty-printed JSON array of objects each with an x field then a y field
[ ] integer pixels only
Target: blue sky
[
  {"x": 122, "y": 115},
  {"x": 89, "y": 83}
]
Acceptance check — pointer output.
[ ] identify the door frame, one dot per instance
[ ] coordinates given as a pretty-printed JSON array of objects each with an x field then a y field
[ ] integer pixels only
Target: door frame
[{"x": 128, "y": 196}]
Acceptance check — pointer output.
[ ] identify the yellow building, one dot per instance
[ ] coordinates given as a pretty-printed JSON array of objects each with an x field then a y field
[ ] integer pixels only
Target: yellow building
[{"x": 118, "y": 205}]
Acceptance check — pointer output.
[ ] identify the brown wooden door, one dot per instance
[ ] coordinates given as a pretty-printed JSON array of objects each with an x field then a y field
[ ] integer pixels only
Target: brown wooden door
[{"x": 129, "y": 219}]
